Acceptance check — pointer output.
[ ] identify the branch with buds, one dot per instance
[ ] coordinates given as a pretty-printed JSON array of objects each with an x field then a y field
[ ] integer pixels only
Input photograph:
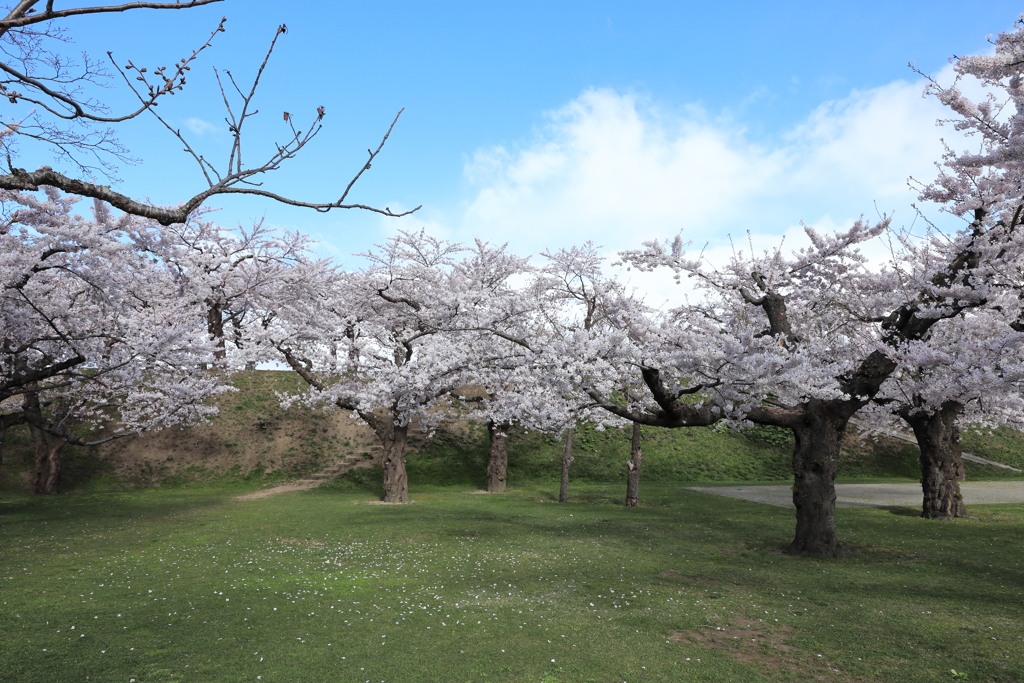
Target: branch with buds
[{"x": 64, "y": 103}]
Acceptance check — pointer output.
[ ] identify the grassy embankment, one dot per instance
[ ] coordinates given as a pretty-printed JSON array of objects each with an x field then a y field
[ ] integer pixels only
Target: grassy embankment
[
  {"x": 190, "y": 585},
  {"x": 254, "y": 443}
]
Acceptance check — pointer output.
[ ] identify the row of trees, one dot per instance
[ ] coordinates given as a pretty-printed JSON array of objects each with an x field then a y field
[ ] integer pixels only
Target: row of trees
[{"x": 132, "y": 320}]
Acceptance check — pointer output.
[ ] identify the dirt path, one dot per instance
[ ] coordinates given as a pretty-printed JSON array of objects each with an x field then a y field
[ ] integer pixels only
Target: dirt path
[
  {"x": 312, "y": 482},
  {"x": 875, "y": 495},
  {"x": 302, "y": 485}
]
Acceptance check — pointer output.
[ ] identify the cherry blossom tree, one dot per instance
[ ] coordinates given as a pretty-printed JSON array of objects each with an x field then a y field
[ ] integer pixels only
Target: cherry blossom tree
[
  {"x": 93, "y": 333},
  {"x": 547, "y": 322},
  {"x": 833, "y": 330},
  {"x": 579, "y": 296},
  {"x": 773, "y": 343},
  {"x": 230, "y": 273},
  {"x": 397, "y": 341},
  {"x": 967, "y": 369}
]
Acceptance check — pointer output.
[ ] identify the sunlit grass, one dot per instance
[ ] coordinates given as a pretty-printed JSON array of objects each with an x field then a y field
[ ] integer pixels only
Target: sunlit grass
[{"x": 191, "y": 585}]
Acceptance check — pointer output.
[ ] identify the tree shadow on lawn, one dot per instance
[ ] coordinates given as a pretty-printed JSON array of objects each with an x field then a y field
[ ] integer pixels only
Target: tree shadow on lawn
[
  {"x": 901, "y": 510},
  {"x": 730, "y": 533},
  {"x": 19, "y": 514}
]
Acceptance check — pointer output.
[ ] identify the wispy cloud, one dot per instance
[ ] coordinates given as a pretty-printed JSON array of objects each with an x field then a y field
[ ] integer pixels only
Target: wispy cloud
[
  {"x": 619, "y": 169},
  {"x": 200, "y": 127}
]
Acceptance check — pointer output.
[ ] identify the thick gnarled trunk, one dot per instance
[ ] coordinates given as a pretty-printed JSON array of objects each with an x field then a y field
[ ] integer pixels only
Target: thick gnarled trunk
[
  {"x": 6, "y": 422},
  {"x": 46, "y": 447},
  {"x": 636, "y": 459},
  {"x": 396, "y": 483},
  {"x": 567, "y": 458},
  {"x": 47, "y": 450},
  {"x": 47, "y": 466},
  {"x": 497, "y": 457},
  {"x": 393, "y": 438},
  {"x": 939, "y": 442},
  {"x": 815, "y": 459}
]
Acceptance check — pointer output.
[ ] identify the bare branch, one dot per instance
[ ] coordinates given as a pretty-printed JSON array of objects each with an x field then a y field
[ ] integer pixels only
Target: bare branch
[
  {"x": 21, "y": 179},
  {"x": 373, "y": 155},
  {"x": 19, "y": 16},
  {"x": 56, "y": 97}
]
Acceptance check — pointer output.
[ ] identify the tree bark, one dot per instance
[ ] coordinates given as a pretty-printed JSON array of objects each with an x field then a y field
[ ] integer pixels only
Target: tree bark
[
  {"x": 215, "y": 327},
  {"x": 6, "y": 422},
  {"x": 961, "y": 473},
  {"x": 636, "y": 459},
  {"x": 567, "y": 458},
  {"x": 815, "y": 459},
  {"x": 48, "y": 463},
  {"x": 396, "y": 482},
  {"x": 47, "y": 449},
  {"x": 497, "y": 457},
  {"x": 393, "y": 438},
  {"x": 939, "y": 442}
]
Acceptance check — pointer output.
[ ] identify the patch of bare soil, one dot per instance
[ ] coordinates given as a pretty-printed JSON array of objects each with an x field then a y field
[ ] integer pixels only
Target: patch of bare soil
[
  {"x": 239, "y": 445},
  {"x": 283, "y": 488},
  {"x": 754, "y": 642},
  {"x": 334, "y": 470}
]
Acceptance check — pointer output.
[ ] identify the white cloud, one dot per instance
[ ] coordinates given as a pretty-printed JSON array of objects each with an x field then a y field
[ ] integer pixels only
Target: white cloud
[
  {"x": 199, "y": 126},
  {"x": 618, "y": 169},
  {"x": 610, "y": 167}
]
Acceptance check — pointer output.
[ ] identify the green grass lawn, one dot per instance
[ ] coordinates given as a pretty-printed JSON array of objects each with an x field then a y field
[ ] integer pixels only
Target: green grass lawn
[{"x": 189, "y": 585}]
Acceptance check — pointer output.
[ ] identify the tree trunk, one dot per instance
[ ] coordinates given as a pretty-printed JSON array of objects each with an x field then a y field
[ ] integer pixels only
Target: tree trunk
[
  {"x": 6, "y": 422},
  {"x": 815, "y": 459},
  {"x": 961, "y": 473},
  {"x": 396, "y": 483},
  {"x": 497, "y": 457},
  {"x": 393, "y": 439},
  {"x": 938, "y": 439},
  {"x": 567, "y": 458},
  {"x": 47, "y": 449},
  {"x": 47, "y": 466},
  {"x": 636, "y": 459},
  {"x": 215, "y": 327}
]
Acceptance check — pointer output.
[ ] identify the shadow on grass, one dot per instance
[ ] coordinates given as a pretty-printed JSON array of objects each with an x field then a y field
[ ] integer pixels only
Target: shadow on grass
[
  {"x": 25, "y": 514},
  {"x": 903, "y": 511}
]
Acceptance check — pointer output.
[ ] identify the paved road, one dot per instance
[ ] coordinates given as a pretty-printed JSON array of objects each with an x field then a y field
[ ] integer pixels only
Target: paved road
[{"x": 876, "y": 495}]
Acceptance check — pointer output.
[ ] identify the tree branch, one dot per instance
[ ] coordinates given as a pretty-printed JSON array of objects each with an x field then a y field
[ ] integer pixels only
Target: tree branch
[
  {"x": 20, "y": 16},
  {"x": 20, "y": 179}
]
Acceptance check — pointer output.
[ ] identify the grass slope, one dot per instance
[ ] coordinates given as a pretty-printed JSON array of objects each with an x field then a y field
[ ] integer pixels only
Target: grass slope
[
  {"x": 254, "y": 443},
  {"x": 189, "y": 585}
]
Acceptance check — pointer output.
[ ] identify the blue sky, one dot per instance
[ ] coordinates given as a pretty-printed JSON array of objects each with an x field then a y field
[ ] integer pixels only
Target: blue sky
[{"x": 544, "y": 124}]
